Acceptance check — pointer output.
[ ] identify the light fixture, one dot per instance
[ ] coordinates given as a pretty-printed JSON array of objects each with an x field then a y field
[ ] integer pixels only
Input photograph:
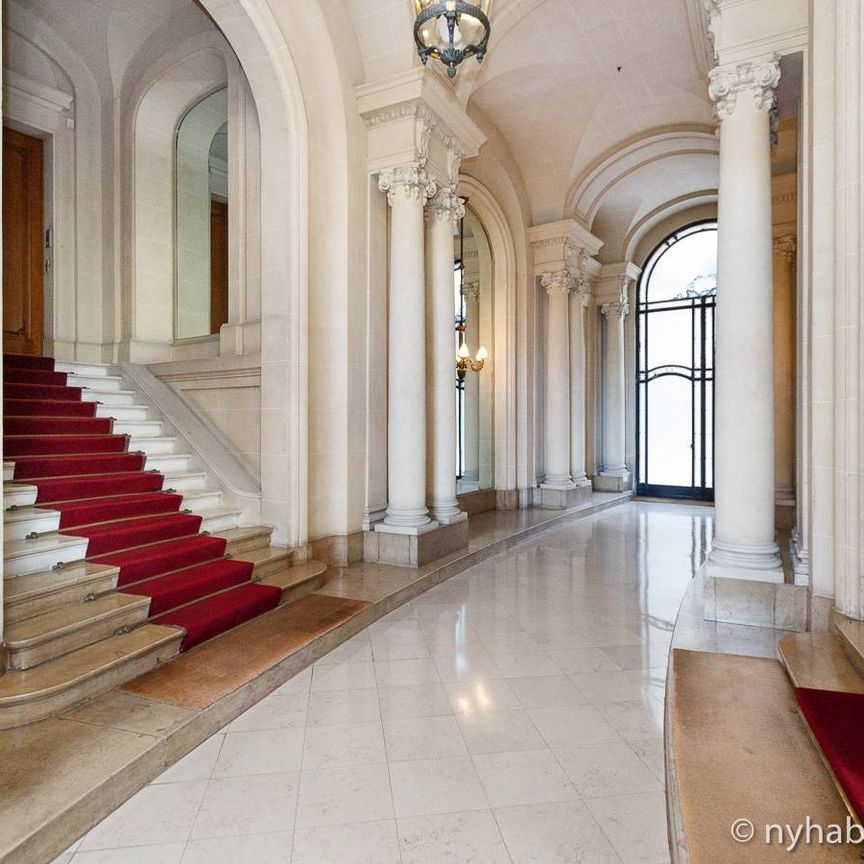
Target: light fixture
[
  {"x": 451, "y": 30},
  {"x": 463, "y": 356}
]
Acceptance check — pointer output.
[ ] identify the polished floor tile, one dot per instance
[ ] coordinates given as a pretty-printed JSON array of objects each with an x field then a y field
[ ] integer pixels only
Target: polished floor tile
[{"x": 514, "y": 713}]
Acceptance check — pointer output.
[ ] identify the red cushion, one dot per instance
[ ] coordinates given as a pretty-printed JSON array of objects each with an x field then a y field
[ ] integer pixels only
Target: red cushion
[{"x": 837, "y": 722}]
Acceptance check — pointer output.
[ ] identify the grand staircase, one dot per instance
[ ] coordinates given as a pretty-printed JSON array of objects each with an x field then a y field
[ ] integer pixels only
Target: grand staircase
[{"x": 118, "y": 553}]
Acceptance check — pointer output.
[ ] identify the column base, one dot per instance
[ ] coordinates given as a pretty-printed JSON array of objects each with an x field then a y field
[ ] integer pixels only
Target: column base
[
  {"x": 406, "y": 547},
  {"x": 446, "y": 518},
  {"x": 748, "y": 563},
  {"x": 800, "y": 560},
  {"x": 613, "y": 481},
  {"x": 564, "y": 497},
  {"x": 755, "y": 604}
]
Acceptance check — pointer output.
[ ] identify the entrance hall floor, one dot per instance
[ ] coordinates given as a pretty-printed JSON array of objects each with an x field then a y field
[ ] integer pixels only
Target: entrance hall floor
[{"x": 513, "y": 713}]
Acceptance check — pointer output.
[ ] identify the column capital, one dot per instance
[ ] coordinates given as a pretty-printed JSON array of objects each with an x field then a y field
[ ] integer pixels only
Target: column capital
[
  {"x": 471, "y": 291},
  {"x": 412, "y": 182},
  {"x": 582, "y": 290},
  {"x": 758, "y": 78},
  {"x": 415, "y": 117},
  {"x": 557, "y": 282},
  {"x": 786, "y": 247},
  {"x": 446, "y": 204},
  {"x": 618, "y": 308}
]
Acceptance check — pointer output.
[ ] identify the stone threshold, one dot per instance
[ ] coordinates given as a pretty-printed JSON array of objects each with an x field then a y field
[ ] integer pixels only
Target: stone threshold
[{"x": 60, "y": 776}]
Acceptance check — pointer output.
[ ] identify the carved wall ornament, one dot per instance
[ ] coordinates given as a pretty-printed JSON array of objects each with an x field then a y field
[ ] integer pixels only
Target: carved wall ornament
[
  {"x": 759, "y": 79},
  {"x": 410, "y": 181},
  {"x": 615, "y": 308},
  {"x": 557, "y": 282}
]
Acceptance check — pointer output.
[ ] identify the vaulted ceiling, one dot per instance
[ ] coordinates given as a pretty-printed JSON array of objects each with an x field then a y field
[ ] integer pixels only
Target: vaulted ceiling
[{"x": 570, "y": 82}]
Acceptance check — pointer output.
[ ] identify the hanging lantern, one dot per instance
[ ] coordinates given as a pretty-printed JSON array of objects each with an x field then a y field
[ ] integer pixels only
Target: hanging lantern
[{"x": 451, "y": 30}]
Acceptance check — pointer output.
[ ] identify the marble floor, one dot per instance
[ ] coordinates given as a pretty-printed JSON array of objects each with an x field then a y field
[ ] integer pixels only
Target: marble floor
[{"x": 511, "y": 714}]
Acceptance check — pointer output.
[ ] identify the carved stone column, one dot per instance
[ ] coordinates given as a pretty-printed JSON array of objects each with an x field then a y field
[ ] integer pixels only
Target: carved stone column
[
  {"x": 471, "y": 468},
  {"x": 444, "y": 210},
  {"x": 579, "y": 299},
  {"x": 408, "y": 188},
  {"x": 744, "y": 542},
  {"x": 785, "y": 248},
  {"x": 615, "y": 475},
  {"x": 558, "y": 285}
]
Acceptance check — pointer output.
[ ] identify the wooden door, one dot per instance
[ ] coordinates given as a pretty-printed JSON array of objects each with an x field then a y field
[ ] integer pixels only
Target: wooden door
[
  {"x": 218, "y": 265},
  {"x": 22, "y": 243}
]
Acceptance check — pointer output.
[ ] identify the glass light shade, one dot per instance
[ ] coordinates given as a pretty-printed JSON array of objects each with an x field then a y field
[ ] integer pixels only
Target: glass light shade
[
  {"x": 470, "y": 30},
  {"x": 463, "y": 353},
  {"x": 482, "y": 354}
]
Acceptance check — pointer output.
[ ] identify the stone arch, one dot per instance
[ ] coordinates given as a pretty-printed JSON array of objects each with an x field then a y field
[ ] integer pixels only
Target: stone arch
[{"x": 503, "y": 255}]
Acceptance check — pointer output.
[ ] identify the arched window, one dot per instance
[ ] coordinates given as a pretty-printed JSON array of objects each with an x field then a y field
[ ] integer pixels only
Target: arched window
[{"x": 675, "y": 375}]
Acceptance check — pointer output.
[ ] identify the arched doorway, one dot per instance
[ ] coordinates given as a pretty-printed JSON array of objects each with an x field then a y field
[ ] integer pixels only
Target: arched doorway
[{"x": 675, "y": 366}]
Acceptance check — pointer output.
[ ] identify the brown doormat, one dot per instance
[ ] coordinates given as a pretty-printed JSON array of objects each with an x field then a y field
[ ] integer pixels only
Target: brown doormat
[
  {"x": 742, "y": 753},
  {"x": 217, "y": 668}
]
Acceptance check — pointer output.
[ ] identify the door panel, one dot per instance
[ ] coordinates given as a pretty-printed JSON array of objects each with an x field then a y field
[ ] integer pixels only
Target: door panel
[
  {"x": 23, "y": 223},
  {"x": 218, "y": 265}
]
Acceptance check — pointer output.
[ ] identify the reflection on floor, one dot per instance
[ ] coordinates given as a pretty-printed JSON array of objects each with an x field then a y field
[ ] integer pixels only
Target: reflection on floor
[{"x": 513, "y": 713}]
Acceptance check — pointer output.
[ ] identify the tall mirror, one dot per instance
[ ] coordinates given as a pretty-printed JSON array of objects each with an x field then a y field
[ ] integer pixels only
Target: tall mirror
[
  {"x": 202, "y": 218},
  {"x": 473, "y": 306}
]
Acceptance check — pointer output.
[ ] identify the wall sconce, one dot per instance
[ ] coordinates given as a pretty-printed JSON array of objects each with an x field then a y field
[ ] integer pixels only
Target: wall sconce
[{"x": 463, "y": 356}]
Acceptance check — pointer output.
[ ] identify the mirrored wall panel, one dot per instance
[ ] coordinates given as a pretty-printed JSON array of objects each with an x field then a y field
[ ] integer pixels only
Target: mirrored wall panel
[
  {"x": 473, "y": 306},
  {"x": 202, "y": 218}
]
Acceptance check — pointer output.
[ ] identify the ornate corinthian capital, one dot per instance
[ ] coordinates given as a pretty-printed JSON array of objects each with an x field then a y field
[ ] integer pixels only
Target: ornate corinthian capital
[
  {"x": 446, "y": 204},
  {"x": 759, "y": 79},
  {"x": 557, "y": 282},
  {"x": 786, "y": 247},
  {"x": 410, "y": 181},
  {"x": 471, "y": 292},
  {"x": 615, "y": 308}
]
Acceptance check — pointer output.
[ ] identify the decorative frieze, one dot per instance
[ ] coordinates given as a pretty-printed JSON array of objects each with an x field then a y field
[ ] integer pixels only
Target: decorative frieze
[
  {"x": 409, "y": 181},
  {"x": 727, "y": 82}
]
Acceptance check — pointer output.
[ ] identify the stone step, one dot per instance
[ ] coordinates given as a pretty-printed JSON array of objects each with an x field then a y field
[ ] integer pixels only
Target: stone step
[
  {"x": 852, "y": 635},
  {"x": 241, "y": 541},
  {"x": 153, "y": 446},
  {"x": 42, "y": 553},
  {"x": 101, "y": 383},
  {"x": 17, "y": 524},
  {"x": 138, "y": 428},
  {"x": 197, "y": 500},
  {"x": 169, "y": 463},
  {"x": 88, "y": 370},
  {"x": 18, "y": 495},
  {"x": 112, "y": 398},
  {"x": 819, "y": 660},
  {"x": 34, "y": 694},
  {"x": 218, "y": 519},
  {"x": 185, "y": 481},
  {"x": 295, "y": 580},
  {"x": 52, "y": 634},
  {"x": 124, "y": 413},
  {"x": 35, "y": 593}
]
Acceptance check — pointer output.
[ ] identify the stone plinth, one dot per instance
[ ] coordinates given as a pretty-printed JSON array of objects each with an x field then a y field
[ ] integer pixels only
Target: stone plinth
[
  {"x": 558, "y": 498},
  {"x": 383, "y": 546}
]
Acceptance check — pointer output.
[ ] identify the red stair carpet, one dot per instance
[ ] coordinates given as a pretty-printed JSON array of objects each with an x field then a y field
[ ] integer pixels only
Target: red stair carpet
[
  {"x": 836, "y": 720},
  {"x": 104, "y": 492}
]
